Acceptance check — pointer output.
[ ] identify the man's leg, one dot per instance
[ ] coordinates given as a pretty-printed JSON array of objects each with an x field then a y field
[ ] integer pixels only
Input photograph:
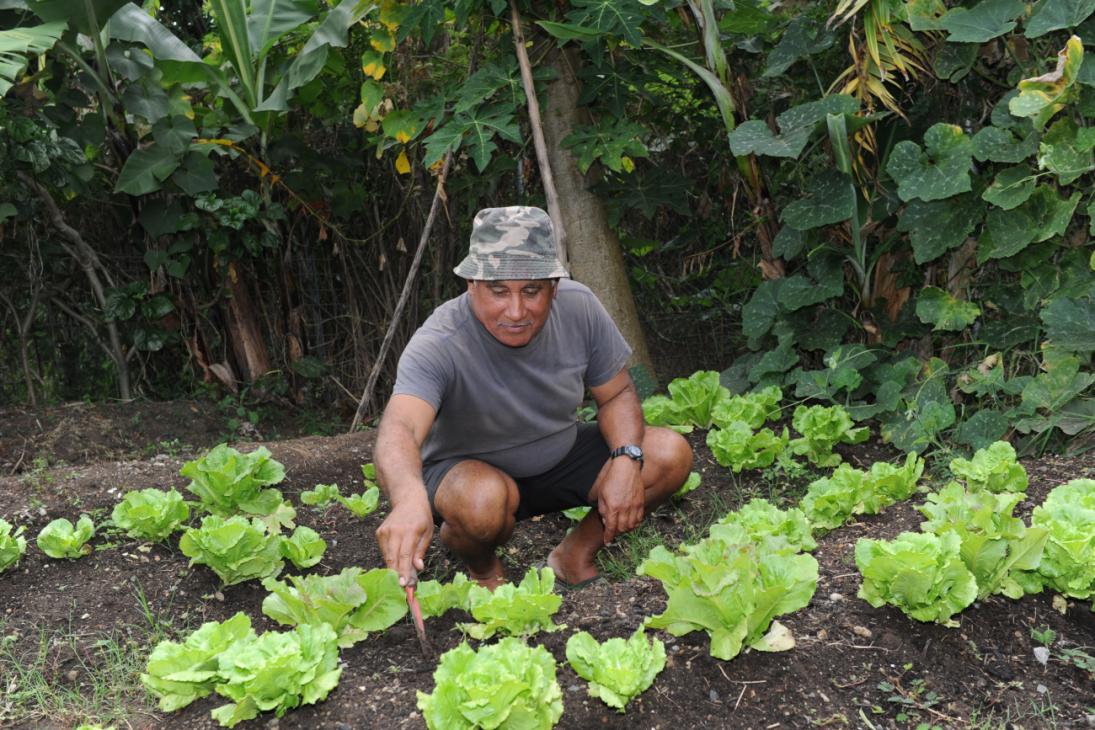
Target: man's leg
[
  {"x": 667, "y": 461},
  {"x": 477, "y": 504}
]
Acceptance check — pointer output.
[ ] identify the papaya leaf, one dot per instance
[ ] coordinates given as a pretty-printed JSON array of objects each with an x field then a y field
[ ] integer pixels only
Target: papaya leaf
[
  {"x": 937, "y": 307},
  {"x": 829, "y": 199},
  {"x": 987, "y": 20},
  {"x": 1011, "y": 188},
  {"x": 612, "y": 141},
  {"x": 610, "y": 17},
  {"x": 938, "y": 171},
  {"x": 477, "y": 129},
  {"x": 938, "y": 226},
  {"x": 1051, "y": 15},
  {"x": 1043, "y": 96}
]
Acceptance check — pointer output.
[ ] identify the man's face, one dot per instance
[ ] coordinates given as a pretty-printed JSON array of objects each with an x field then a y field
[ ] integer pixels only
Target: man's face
[{"x": 513, "y": 311}]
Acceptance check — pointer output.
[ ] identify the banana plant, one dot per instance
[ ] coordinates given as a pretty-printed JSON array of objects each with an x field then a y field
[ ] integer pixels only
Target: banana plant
[{"x": 18, "y": 44}]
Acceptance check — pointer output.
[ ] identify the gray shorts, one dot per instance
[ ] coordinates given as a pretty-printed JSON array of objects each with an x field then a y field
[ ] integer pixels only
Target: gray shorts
[{"x": 565, "y": 485}]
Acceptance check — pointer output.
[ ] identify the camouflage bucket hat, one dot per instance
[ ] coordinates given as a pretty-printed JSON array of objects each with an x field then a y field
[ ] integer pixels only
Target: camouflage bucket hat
[{"x": 516, "y": 242}]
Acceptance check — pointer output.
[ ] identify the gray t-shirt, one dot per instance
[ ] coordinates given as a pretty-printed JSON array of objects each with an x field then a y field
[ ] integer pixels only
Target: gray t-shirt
[{"x": 512, "y": 407}]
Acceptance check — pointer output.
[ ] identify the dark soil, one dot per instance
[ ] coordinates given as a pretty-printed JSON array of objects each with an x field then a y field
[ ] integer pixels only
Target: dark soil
[{"x": 853, "y": 665}]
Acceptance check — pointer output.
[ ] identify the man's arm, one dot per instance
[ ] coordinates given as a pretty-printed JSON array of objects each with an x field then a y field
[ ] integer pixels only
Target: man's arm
[
  {"x": 405, "y": 533},
  {"x": 620, "y": 493}
]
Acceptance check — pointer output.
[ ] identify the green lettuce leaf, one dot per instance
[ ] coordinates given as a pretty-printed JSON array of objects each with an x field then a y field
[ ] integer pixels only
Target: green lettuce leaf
[
  {"x": 151, "y": 514},
  {"x": 435, "y": 598},
  {"x": 822, "y": 428},
  {"x": 736, "y": 446},
  {"x": 760, "y": 518},
  {"x": 503, "y": 685},
  {"x": 754, "y": 408},
  {"x": 352, "y": 602},
  {"x": 227, "y": 483},
  {"x": 691, "y": 402},
  {"x": 994, "y": 468},
  {"x": 304, "y": 548},
  {"x": 520, "y": 610},
  {"x": 619, "y": 669},
  {"x": 321, "y": 495},
  {"x": 690, "y": 484},
  {"x": 12, "y": 545},
  {"x": 59, "y": 539},
  {"x": 236, "y": 549},
  {"x": 1068, "y": 515},
  {"x": 361, "y": 505}
]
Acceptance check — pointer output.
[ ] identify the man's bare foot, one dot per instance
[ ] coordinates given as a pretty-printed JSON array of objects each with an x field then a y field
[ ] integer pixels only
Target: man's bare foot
[
  {"x": 569, "y": 569},
  {"x": 491, "y": 578}
]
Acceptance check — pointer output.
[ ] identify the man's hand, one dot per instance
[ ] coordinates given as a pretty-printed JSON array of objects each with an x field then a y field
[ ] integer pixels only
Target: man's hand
[
  {"x": 621, "y": 498},
  {"x": 404, "y": 536}
]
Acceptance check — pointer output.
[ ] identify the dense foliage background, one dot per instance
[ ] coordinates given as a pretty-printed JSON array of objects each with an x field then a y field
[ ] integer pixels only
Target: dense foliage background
[{"x": 878, "y": 203}]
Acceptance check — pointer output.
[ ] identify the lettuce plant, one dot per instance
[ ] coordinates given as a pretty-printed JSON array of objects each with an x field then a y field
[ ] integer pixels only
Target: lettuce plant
[
  {"x": 619, "y": 669},
  {"x": 321, "y": 496},
  {"x": 759, "y": 518},
  {"x": 59, "y": 539},
  {"x": 822, "y": 428},
  {"x": 754, "y": 408},
  {"x": 993, "y": 542},
  {"x": 362, "y": 504},
  {"x": 737, "y": 447},
  {"x": 690, "y": 484},
  {"x": 435, "y": 598},
  {"x": 503, "y": 685},
  {"x": 179, "y": 673},
  {"x": 691, "y": 402},
  {"x": 277, "y": 671},
  {"x": 1068, "y": 562},
  {"x": 304, "y": 548},
  {"x": 12, "y": 545},
  {"x": 227, "y": 483},
  {"x": 887, "y": 483},
  {"x": 920, "y": 573},
  {"x": 831, "y": 500},
  {"x": 576, "y": 513},
  {"x": 520, "y": 610},
  {"x": 353, "y": 603},
  {"x": 994, "y": 468},
  {"x": 151, "y": 514},
  {"x": 730, "y": 587},
  {"x": 236, "y": 549}
]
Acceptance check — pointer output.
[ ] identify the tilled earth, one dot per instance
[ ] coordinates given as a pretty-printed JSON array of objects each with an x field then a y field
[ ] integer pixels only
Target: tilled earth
[{"x": 853, "y": 665}]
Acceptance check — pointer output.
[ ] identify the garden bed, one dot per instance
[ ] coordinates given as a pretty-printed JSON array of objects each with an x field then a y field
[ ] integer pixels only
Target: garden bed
[{"x": 86, "y": 625}]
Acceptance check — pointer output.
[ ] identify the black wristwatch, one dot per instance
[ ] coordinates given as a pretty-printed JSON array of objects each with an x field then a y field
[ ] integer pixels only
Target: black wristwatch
[{"x": 631, "y": 451}]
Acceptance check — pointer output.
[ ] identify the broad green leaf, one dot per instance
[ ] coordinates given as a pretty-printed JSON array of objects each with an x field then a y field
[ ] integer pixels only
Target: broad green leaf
[
  {"x": 476, "y": 130},
  {"x": 83, "y": 16},
  {"x": 401, "y": 125},
  {"x": 1070, "y": 323},
  {"x": 987, "y": 20},
  {"x": 612, "y": 141},
  {"x": 760, "y": 312},
  {"x": 953, "y": 61},
  {"x": 146, "y": 169},
  {"x": 925, "y": 14},
  {"x": 1001, "y": 145},
  {"x": 195, "y": 174},
  {"x": 16, "y": 44},
  {"x": 231, "y": 27},
  {"x": 271, "y": 19},
  {"x": 1011, "y": 188},
  {"x": 1060, "y": 380},
  {"x": 830, "y": 198},
  {"x": 1041, "y": 217},
  {"x": 938, "y": 171},
  {"x": 613, "y": 17},
  {"x": 938, "y": 226},
  {"x": 569, "y": 31},
  {"x": 796, "y": 125},
  {"x": 1066, "y": 150},
  {"x": 982, "y": 429},
  {"x": 1043, "y": 96},
  {"x": 937, "y": 307},
  {"x": 827, "y": 281},
  {"x": 804, "y": 37},
  {"x": 133, "y": 24},
  {"x": 1051, "y": 15}
]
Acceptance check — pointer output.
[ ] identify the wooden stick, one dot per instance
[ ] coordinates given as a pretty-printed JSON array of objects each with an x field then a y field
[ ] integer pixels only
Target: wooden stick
[
  {"x": 546, "y": 178},
  {"x": 404, "y": 296}
]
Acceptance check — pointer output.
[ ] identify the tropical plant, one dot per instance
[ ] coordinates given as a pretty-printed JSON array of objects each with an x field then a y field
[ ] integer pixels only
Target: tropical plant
[
  {"x": 617, "y": 670},
  {"x": 60, "y": 539},
  {"x": 151, "y": 514}
]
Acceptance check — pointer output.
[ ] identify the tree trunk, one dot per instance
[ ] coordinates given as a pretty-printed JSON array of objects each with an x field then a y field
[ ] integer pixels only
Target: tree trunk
[
  {"x": 596, "y": 259},
  {"x": 246, "y": 334}
]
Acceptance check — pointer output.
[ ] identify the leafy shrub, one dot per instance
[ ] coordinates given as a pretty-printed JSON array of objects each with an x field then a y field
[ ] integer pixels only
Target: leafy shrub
[
  {"x": 920, "y": 573},
  {"x": 362, "y": 504},
  {"x": 754, "y": 409},
  {"x": 731, "y": 588},
  {"x": 435, "y": 598},
  {"x": 12, "y": 545},
  {"x": 520, "y": 610},
  {"x": 277, "y": 671},
  {"x": 351, "y": 602},
  {"x": 994, "y": 468},
  {"x": 227, "y": 482},
  {"x": 321, "y": 496},
  {"x": 304, "y": 548},
  {"x": 993, "y": 542},
  {"x": 59, "y": 539},
  {"x": 503, "y": 685},
  {"x": 822, "y": 428},
  {"x": 1068, "y": 515},
  {"x": 759, "y": 518},
  {"x": 619, "y": 669},
  {"x": 737, "y": 447},
  {"x": 179, "y": 673},
  {"x": 236, "y": 549},
  {"x": 151, "y": 514},
  {"x": 691, "y": 402}
]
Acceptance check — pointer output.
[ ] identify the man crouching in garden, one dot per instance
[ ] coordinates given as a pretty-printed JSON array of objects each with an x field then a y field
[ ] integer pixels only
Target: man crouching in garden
[{"x": 481, "y": 429}]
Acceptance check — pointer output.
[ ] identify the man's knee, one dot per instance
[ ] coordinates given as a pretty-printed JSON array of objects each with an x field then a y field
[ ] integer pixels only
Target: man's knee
[
  {"x": 477, "y": 500},
  {"x": 668, "y": 455}
]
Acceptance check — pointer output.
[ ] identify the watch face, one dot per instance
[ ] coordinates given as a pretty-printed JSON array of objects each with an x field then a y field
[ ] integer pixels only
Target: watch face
[{"x": 633, "y": 451}]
